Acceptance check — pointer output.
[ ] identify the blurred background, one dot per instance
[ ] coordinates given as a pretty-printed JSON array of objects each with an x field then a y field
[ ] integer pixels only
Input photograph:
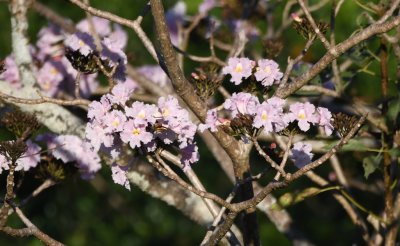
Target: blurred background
[{"x": 99, "y": 212}]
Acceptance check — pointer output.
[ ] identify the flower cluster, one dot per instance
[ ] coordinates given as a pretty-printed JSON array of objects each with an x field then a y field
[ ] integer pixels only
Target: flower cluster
[
  {"x": 54, "y": 72},
  {"x": 266, "y": 72},
  {"x": 270, "y": 115},
  {"x": 144, "y": 127}
]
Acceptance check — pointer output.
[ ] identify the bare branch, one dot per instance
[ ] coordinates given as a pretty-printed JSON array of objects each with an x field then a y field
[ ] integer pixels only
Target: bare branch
[{"x": 335, "y": 52}]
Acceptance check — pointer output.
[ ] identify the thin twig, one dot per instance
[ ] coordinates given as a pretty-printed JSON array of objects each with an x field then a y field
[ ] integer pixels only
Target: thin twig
[
  {"x": 134, "y": 25},
  {"x": 320, "y": 35},
  {"x": 44, "y": 99},
  {"x": 274, "y": 165},
  {"x": 285, "y": 156}
]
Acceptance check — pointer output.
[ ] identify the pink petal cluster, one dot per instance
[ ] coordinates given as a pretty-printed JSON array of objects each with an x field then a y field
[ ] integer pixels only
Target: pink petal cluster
[
  {"x": 238, "y": 68},
  {"x": 304, "y": 113},
  {"x": 211, "y": 121},
  {"x": 301, "y": 154},
  {"x": 28, "y": 160},
  {"x": 241, "y": 103},
  {"x": 53, "y": 71},
  {"x": 118, "y": 174},
  {"x": 143, "y": 127},
  {"x": 268, "y": 72},
  {"x": 49, "y": 78},
  {"x": 70, "y": 148},
  {"x": 11, "y": 74},
  {"x": 155, "y": 74},
  {"x": 324, "y": 118},
  {"x": 175, "y": 20},
  {"x": 270, "y": 115}
]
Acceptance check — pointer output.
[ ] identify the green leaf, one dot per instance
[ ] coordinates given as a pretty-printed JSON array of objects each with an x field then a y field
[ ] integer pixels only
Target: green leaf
[
  {"x": 394, "y": 152},
  {"x": 370, "y": 164},
  {"x": 352, "y": 145},
  {"x": 394, "y": 109}
]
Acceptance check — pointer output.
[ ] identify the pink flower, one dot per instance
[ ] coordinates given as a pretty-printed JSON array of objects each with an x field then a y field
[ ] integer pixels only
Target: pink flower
[
  {"x": 81, "y": 41},
  {"x": 30, "y": 158},
  {"x": 120, "y": 94},
  {"x": 119, "y": 175},
  {"x": 304, "y": 114},
  {"x": 211, "y": 121},
  {"x": 50, "y": 42},
  {"x": 99, "y": 109},
  {"x": 143, "y": 113},
  {"x": 190, "y": 154},
  {"x": 98, "y": 135},
  {"x": 301, "y": 154},
  {"x": 175, "y": 19},
  {"x": 154, "y": 73},
  {"x": 135, "y": 134},
  {"x": 69, "y": 148},
  {"x": 265, "y": 116},
  {"x": 243, "y": 103},
  {"x": 11, "y": 74},
  {"x": 238, "y": 68},
  {"x": 114, "y": 121},
  {"x": 102, "y": 26},
  {"x": 49, "y": 78},
  {"x": 324, "y": 119},
  {"x": 268, "y": 72}
]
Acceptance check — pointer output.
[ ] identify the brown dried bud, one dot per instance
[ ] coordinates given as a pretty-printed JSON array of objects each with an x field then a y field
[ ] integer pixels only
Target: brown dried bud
[
  {"x": 206, "y": 80},
  {"x": 20, "y": 123},
  {"x": 12, "y": 150},
  {"x": 305, "y": 29},
  {"x": 52, "y": 169},
  {"x": 343, "y": 123},
  {"x": 272, "y": 47},
  {"x": 2, "y": 67},
  {"x": 84, "y": 64},
  {"x": 242, "y": 124}
]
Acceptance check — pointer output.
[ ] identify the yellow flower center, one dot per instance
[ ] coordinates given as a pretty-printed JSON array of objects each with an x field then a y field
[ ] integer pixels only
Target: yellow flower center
[
  {"x": 81, "y": 43},
  {"x": 136, "y": 131},
  {"x": 165, "y": 112},
  {"x": 46, "y": 85},
  {"x": 53, "y": 71},
  {"x": 115, "y": 123},
  {"x": 264, "y": 116},
  {"x": 239, "y": 68},
  {"x": 267, "y": 69},
  {"x": 302, "y": 115},
  {"x": 141, "y": 114}
]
